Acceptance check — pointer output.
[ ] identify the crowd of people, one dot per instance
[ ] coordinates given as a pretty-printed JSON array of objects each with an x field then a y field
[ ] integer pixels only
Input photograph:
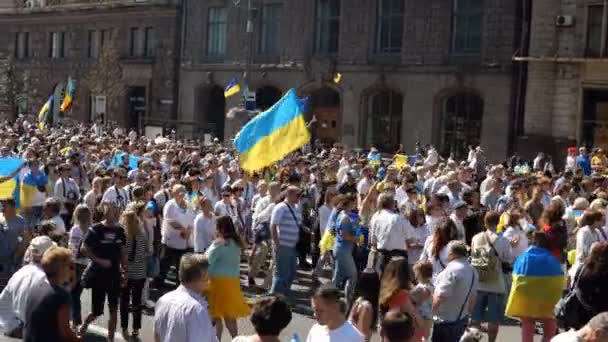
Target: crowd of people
[{"x": 428, "y": 250}]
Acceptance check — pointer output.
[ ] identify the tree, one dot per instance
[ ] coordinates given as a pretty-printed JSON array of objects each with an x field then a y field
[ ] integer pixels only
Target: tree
[
  {"x": 105, "y": 77},
  {"x": 16, "y": 91}
]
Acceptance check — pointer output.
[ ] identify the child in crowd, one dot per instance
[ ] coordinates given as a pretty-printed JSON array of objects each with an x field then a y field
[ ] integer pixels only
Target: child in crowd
[{"x": 422, "y": 296}]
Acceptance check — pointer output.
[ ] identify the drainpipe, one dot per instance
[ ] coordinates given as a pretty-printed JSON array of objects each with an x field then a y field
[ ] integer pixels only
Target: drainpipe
[
  {"x": 182, "y": 19},
  {"x": 520, "y": 77}
]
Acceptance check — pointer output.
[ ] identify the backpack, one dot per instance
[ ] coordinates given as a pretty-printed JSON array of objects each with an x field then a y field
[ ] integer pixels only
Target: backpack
[{"x": 484, "y": 260}]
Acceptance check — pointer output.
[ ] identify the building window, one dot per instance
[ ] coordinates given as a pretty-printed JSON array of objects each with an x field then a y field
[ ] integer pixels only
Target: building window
[
  {"x": 390, "y": 26},
  {"x": 149, "y": 42},
  {"x": 216, "y": 31},
  {"x": 466, "y": 27},
  {"x": 327, "y": 33},
  {"x": 57, "y": 45},
  {"x": 461, "y": 120},
  {"x": 384, "y": 120},
  {"x": 104, "y": 38},
  {"x": 22, "y": 45},
  {"x": 92, "y": 44},
  {"x": 270, "y": 29},
  {"x": 595, "y": 17},
  {"x": 134, "y": 43}
]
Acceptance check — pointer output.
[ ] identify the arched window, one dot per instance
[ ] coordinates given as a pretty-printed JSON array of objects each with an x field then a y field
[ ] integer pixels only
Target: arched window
[
  {"x": 461, "y": 120},
  {"x": 384, "y": 120},
  {"x": 266, "y": 96},
  {"x": 211, "y": 106}
]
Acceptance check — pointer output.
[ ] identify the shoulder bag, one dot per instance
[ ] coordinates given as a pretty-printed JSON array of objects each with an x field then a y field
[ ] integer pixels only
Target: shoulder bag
[{"x": 571, "y": 309}]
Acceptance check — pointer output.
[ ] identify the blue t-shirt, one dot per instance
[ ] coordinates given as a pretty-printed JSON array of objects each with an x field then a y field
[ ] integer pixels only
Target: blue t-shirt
[
  {"x": 585, "y": 164},
  {"x": 350, "y": 226}
]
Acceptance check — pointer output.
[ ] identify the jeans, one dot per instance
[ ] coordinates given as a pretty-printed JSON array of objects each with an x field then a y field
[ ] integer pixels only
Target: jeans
[
  {"x": 131, "y": 295},
  {"x": 285, "y": 269},
  {"x": 169, "y": 257},
  {"x": 345, "y": 270}
]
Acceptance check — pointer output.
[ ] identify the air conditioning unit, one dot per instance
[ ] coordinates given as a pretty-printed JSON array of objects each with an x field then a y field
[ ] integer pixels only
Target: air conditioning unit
[{"x": 564, "y": 21}]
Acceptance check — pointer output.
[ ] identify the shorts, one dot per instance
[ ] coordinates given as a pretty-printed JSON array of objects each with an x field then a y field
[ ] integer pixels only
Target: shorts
[
  {"x": 98, "y": 298},
  {"x": 489, "y": 307}
]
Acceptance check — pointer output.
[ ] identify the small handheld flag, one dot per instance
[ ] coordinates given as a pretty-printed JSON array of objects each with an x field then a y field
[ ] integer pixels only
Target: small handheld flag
[
  {"x": 45, "y": 111},
  {"x": 232, "y": 88},
  {"x": 337, "y": 77},
  {"x": 69, "y": 95}
]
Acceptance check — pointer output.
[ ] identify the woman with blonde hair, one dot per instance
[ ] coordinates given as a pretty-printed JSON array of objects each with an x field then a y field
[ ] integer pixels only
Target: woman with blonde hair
[{"x": 135, "y": 250}]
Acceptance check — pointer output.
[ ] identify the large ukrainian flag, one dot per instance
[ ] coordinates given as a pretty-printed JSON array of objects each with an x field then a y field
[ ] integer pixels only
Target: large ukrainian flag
[
  {"x": 10, "y": 188},
  {"x": 273, "y": 134},
  {"x": 29, "y": 187},
  {"x": 45, "y": 112},
  {"x": 538, "y": 283}
]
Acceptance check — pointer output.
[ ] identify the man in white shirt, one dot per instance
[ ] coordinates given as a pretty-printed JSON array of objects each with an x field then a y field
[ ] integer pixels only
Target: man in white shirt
[
  {"x": 491, "y": 292},
  {"x": 389, "y": 231},
  {"x": 182, "y": 315},
  {"x": 204, "y": 227},
  {"x": 596, "y": 330},
  {"x": 13, "y": 298},
  {"x": 458, "y": 215},
  {"x": 176, "y": 228},
  {"x": 331, "y": 325},
  {"x": 455, "y": 289},
  {"x": 67, "y": 191},
  {"x": 116, "y": 193},
  {"x": 366, "y": 182}
]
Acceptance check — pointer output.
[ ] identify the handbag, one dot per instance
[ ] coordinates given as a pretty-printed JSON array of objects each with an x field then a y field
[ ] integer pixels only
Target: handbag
[
  {"x": 571, "y": 310},
  {"x": 452, "y": 331},
  {"x": 261, "y": 232}
]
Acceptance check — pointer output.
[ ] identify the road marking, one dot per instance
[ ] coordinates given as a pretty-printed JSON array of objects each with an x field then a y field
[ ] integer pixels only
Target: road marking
[{"x": 97, "y": 330}]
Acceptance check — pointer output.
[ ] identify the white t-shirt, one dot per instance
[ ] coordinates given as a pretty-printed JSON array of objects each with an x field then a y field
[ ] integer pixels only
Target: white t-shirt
[
  {"x": 345, "y": 333},
  {"x": 516, "y": 251},
  {"x": 204, "y": 232},
  {"x": 568, "y": 336},
  {"x": 116, "y": 195},
  {"x": 184, "y": 216},
  {"x": 324, "y": 212}
]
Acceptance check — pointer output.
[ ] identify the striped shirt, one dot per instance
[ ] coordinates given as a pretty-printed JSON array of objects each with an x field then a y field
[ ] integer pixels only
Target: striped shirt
[
  {"x": 288, "y": 227},
  {"x": 136, "y": 256}
]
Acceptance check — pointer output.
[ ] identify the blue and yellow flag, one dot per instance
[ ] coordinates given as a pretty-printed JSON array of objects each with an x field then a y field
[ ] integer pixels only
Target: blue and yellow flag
[
  {"x": 232, "y": 88},
  {"x": 69, "y": 95},
  {"x": 10, "y": 188},
  {"x": 45, "y": 112},
  {"x": 538, "y": 284},
  {"x": 273, "y": 134},
  {"x": 29, "y": 187},
  {"x": 133, "y": 160}
]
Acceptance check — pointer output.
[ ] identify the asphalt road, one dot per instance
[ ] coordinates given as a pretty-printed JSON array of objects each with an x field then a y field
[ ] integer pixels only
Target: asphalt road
[{"x": 300, "y": 324}]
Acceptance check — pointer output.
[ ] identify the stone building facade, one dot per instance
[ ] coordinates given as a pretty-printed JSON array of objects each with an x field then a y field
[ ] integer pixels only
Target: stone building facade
[
  {"x": 55, "y": 39},
  {"x": 566, "y": 99},
  {"x": 382, "y": 72}
]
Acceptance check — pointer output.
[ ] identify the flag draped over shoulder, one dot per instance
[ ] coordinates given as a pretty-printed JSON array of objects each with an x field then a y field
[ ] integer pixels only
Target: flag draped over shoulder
[
  {"x": 273, "y": 134},
  {"x": 29, "y": 187},
  {"x": 10, "y": 188},
  {"x": 538, "y": 282},
  {"x": 232, "y": 88},
  {"x": 133, "y": 160},
  {"x": 45, "y": 112},
  {"x": 69, "y": 95}
]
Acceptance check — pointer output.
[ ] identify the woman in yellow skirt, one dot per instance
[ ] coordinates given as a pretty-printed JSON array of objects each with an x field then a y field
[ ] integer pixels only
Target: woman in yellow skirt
[{"x": 226, "y": 300}]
